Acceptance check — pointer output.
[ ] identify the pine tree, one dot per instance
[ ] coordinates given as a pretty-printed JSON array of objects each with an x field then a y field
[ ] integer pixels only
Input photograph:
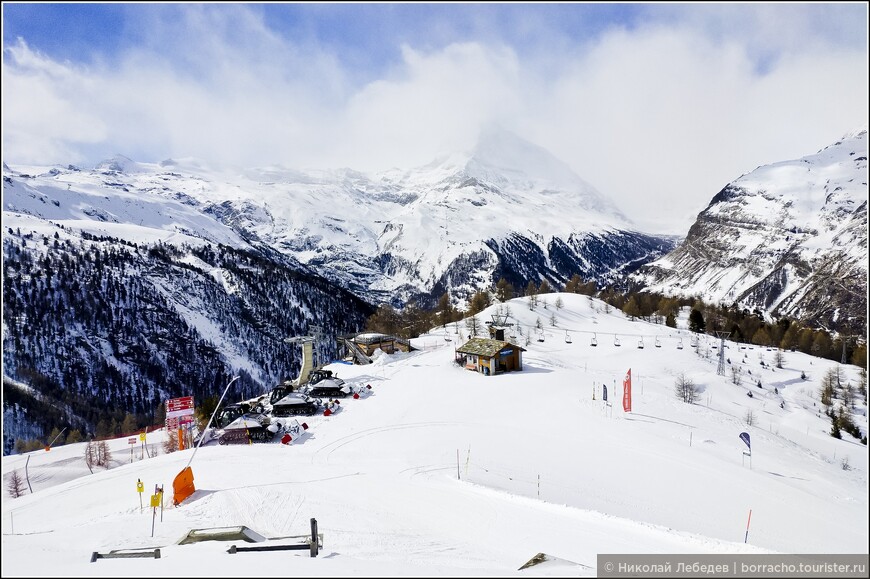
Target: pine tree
[
  {"x": 835, "y": 428},
  {"x": 15, "y": 484},
  {"x": 696, "y": 321},
  {"x": 129, "y": 425},
  {"x": 75, "y": 435},
  {"x": 631, "y": 308},
  {"x": 504, "y": 291}
]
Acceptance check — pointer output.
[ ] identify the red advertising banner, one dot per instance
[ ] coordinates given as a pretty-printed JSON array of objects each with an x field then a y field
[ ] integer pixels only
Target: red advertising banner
[{"x": 626, "y": 392}]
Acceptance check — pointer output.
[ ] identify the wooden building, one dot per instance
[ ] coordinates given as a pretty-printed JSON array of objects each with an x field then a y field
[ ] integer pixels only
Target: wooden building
[
  {"x": 371, "y": 341},
  {"x": 489, "y": 356}
]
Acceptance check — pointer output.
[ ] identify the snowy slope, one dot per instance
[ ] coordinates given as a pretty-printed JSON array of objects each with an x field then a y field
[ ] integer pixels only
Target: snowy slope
[
  {"x": 446, "y": 471},
  {"x": 789, "y": 238}
]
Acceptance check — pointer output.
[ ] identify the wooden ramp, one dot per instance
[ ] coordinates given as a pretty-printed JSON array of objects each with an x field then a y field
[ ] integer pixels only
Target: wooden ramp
[{"x": 239, "y": 533}]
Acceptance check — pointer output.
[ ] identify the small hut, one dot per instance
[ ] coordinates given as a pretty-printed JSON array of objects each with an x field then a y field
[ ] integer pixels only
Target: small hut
[{"x": 489, "y": 356}]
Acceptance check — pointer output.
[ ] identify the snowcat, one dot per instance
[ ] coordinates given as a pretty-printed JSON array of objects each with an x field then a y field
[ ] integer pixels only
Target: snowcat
[
  {"x": 323, "y": 383},
  {"x": 249, "y": 428},
  {"x": 296, "y": 403}
]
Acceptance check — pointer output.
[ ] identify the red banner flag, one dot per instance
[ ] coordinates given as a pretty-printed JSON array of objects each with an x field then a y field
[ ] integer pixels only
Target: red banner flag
[{"x": 626, "y": 392}]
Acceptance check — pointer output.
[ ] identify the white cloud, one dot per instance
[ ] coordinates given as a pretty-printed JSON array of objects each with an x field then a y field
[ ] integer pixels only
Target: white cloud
[
  {"x": 661, "y": 120},
  {"x": 658, "y": 118}
]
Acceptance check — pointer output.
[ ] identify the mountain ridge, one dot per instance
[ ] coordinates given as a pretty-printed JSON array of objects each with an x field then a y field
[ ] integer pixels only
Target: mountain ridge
[
  {"x": 788, "y": 238},
  {"x": 393, "y": 236}
]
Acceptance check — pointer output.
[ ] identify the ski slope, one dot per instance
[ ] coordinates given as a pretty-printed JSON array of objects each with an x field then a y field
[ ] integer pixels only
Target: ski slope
[{"x": 446, "y": 471}]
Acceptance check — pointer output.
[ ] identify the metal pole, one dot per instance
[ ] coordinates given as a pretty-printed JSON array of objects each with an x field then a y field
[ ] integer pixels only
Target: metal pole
[
  {"x": 56, "y": 437},
  {"x": 314, "y": 545},
  {"x": 201, "y": 438},
  {"x": 457, "y": 465},
  {"x": 27, "y": 476},
  {"x": 746, "y": 538}
]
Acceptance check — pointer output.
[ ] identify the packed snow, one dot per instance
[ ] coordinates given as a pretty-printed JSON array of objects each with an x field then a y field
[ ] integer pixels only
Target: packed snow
[{"x": 441, "y": 470}]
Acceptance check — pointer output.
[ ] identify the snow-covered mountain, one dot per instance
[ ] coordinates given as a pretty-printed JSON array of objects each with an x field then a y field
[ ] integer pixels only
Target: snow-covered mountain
[
  {"x": 788, "y": 238},
  {"x": 115, "y": 300},
  {"x": 506, "y": 208}
]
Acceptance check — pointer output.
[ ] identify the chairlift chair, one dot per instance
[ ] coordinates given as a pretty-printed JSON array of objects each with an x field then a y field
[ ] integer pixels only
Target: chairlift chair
[
  {"x": 658, "y": 342},
  {"x": 567, "y": 337},
  {"x": 680, "y": 344},
  {"x": 616, "y": 341},
  {"x": 594, "y": 340},
  {"x": 640, "y": 344}
]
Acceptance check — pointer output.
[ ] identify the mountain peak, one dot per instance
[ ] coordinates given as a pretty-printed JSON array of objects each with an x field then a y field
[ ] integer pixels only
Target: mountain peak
[
  {"x": 856, "y": 133},
  {"x": 509, "y": 161},
  {"x": 119, "y": 164}
]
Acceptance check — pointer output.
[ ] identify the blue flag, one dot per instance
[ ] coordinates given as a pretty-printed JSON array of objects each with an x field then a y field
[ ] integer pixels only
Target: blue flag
[
  {"x": 605, "y": 391},
  {"x": 744, "y": 436}
]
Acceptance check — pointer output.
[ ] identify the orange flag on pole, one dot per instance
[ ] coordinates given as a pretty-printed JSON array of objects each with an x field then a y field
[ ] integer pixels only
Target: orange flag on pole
[{"x": 626, "y": 392}]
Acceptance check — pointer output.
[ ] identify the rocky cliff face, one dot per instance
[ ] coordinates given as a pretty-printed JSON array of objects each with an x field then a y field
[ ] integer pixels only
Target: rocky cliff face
[{"x": 789, "y": 239}]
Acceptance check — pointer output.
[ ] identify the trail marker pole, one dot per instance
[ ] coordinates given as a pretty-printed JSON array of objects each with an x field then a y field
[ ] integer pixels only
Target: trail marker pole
[
  {"x": 140, "y": 488},
  {"x": 27, "y": 476},
  {"x": 457, "y": 465},
  {"x": 746, "y": 538},
  {"x": 467, "y": 460}
]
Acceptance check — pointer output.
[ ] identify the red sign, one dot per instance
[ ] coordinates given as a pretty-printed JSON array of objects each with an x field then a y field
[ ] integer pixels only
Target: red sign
[
  {"x": 183, "y": 403},
  {"x": 131, "y": 440},
  {"x": 626, "y": 392},
  {"x": 176, "y": 407},
  {"x": 179, "y": 421}
]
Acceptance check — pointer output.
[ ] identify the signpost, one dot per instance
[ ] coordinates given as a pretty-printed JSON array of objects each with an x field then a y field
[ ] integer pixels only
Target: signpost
[
  {"x": 182, "y": 485},
  {"x": 179, "y": 411},
  {"x": 140, "y": 488},
  {"x": 131, "y": 441}
]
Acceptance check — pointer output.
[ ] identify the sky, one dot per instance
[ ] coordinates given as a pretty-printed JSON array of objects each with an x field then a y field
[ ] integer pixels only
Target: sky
[
  {"x": 628, "y": 95},
  {"x": 440, "y": 470}
]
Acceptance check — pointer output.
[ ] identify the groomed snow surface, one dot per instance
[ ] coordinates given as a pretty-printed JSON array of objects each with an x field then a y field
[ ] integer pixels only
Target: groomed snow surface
[{"x": 443, "y": 471}]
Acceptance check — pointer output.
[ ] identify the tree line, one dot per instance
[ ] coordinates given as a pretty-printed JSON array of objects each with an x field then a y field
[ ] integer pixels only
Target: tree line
[{"x": 741, "y": 324}]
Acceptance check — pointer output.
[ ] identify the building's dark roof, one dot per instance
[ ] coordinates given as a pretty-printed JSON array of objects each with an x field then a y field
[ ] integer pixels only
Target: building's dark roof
[{"x": 485, "y": 347}]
